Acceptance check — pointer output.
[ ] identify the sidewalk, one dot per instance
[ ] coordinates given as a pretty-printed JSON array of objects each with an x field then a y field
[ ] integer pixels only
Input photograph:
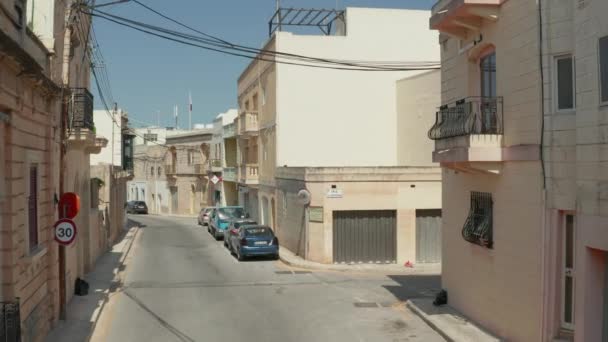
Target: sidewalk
[
  {"x": 289, "y": 258},
  {"x": 448, "y": 322},
  {"x": 84, "y": 311}
]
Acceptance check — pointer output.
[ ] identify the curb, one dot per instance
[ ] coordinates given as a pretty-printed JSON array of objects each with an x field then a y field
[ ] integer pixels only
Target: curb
[
  {"x": 329, "y": 267},
  {"x": 117, "y": 280},
  {"x": 413, "y": 308}
]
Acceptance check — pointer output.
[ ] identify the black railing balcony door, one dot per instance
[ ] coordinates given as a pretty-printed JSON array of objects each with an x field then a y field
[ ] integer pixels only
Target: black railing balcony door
[
  {"x": 81, "y": 109},
  {"x": 472, "y": 115}
]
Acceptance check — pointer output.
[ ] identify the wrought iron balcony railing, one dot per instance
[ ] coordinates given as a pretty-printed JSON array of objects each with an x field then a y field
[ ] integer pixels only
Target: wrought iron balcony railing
[
  {"x": 472, "y": 115},
  {"x": 478, "y": 227},
  {"x": 10, "y": 321},
  {"x": 81, "y": 109},
  {"x": 230, "y": 174}
]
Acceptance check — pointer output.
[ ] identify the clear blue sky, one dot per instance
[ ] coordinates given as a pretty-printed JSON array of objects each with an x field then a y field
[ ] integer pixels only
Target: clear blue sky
[{"x": 149, "y": 74}]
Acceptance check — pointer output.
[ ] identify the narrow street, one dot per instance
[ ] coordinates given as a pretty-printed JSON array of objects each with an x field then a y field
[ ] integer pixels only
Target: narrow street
[{"x": 181, "y": 285}]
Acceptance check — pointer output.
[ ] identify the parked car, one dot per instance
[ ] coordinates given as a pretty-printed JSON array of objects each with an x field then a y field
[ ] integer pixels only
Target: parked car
[
  {"x": 137, "y": 207},
  {"x": 254, "y": 241},
  {"x": 233, "y": 229},
  {"x": 203, "y": 216},
  {"x": 221, "y": 217}
]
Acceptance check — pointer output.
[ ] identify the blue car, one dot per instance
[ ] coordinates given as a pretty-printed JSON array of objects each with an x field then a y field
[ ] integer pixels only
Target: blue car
[
  {"x": 233, "y": 228},
  {"x": 221, "y": 217},
  {"x": 254, "y": 241}
]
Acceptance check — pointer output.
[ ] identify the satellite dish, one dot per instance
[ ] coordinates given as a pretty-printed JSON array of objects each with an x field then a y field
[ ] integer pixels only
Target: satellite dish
[{"x": 303, "y": 197}]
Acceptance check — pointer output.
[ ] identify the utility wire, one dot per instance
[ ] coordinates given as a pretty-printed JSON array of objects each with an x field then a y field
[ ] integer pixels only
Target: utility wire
[
  {"x": 261, "y": 50},
  {"x": 357, "y": 68}
]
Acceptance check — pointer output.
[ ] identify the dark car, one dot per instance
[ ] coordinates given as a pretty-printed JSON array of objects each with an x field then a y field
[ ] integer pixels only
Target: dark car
[
  {"x": 254, "y": 241},
  {"x": 233, "y": 229},
  {"x": 204, "y": 215},
  {"x": 137, "y": 207},
  {"x": 221, "y": 218}
]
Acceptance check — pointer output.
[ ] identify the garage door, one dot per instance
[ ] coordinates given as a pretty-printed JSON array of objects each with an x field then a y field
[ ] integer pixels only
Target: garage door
[
  {"x": 365, "y": 236},
  {"x": 428, "y": 236}
]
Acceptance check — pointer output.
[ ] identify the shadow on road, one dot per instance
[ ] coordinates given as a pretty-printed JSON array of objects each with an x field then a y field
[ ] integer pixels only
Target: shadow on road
[
  {"x": 83, "y": 311},
  {"x": 414, "y": 286}
]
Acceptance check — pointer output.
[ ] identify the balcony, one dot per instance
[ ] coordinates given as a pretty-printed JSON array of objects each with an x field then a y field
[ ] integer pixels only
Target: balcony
[
  {"x": 463, "y": 17},
  {"x": 229, "y": 174},
  {"x": 81, "y": 128},
  {"x": 248, "y": 174},
  {"x": 215, "y": 165},
  {"x": 81, "y": 109},
  {"x": 248, "y": 123},
  {"x": 229, "y": 130},
  {"x": 170, "y": 170},
  {"x": 468, "y": 137},
  {"x": 200, "y": 169}
]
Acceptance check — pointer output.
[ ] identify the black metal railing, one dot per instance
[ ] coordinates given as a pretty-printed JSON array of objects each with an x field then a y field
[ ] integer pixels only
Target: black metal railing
[
  {"x": 472, "y": 115},
  {"x": 478, "y": 227},
  {"x": 81, "y": 109},
  {"x": 10, "y": 321}
]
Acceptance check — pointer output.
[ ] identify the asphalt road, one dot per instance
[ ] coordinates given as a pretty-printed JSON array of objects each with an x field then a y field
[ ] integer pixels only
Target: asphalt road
[{"x": 181, "y": 285}]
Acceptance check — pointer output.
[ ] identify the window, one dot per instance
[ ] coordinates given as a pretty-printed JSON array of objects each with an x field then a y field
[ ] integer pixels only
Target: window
[
  {"x": 564, "y": 92},
  {"x": 488, "y": 75},
  {"x": 478, "y": 227},
  {"x": 32, "y": 208},
  {"x": 255, "y": 102},
  {"x": 190, "y": 157},
  {"x": 604, "y": 69},
  {"x": 159, "y": 170},
  {"x": 152, "y": 171},
  {"x": 263, "y": 95},
  {"x": 568, "y": 256}
]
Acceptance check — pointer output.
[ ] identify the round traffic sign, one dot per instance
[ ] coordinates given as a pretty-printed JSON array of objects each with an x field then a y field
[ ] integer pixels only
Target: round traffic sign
[{"x": 65, "y": 231}]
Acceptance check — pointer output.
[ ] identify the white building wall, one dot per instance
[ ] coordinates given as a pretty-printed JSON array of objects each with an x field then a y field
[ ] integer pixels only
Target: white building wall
[
  {"x": 326, "y": 126},
  {"x": 103, "y": 127}
]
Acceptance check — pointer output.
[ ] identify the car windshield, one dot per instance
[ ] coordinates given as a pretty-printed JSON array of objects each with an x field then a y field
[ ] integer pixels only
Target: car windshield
[
  {"x": 231, "y": 213},
  {"x": 258, "y": 232}
]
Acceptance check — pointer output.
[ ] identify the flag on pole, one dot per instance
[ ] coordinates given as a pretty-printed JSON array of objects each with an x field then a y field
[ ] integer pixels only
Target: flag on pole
[{"x": 190, "y": 98}]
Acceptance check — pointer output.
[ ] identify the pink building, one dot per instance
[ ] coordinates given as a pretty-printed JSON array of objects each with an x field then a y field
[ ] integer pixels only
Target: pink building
[{"x": 523, "y": 146}]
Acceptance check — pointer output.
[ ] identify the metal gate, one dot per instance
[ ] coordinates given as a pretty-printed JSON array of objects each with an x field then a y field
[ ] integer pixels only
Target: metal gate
[
  {"x": 10, "y": 322},
  {"x": 428, "y": 236},
  {"x": 365, "y": 236}
]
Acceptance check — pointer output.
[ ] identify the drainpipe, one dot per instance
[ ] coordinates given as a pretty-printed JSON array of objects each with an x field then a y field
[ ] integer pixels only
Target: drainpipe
[{"x": 545, "y": 230}]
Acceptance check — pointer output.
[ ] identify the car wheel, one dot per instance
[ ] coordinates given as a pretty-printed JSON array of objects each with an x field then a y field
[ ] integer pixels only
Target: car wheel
[{"x": 275, "y": 257}]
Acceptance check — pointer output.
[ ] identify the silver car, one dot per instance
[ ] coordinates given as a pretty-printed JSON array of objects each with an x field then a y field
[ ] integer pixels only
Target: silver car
[{"x": 203, "y": 216}]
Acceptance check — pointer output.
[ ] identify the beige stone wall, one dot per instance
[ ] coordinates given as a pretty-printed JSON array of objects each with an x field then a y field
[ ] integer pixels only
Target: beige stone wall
[
  {"x": 400, "y": 189},
  {"x": 480, "y": 280},
  {"x": 500, "y": 288},
  {"x": 418, "y": 97},
  {"x": 28, "y": 139}
]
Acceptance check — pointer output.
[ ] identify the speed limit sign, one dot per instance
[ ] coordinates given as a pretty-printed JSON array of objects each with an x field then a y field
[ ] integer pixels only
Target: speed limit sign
[{"x": 65, "y": 231}]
